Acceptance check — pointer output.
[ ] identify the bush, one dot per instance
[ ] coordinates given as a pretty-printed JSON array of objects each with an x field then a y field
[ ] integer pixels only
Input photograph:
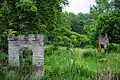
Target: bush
[
  {"x": 3, "y": 56},
  {"x": 113, "y": 48},
  {"x": 71, "y": 39},
  {"x": 3, "y": 59},
  {"x": 90, "y": 52}
]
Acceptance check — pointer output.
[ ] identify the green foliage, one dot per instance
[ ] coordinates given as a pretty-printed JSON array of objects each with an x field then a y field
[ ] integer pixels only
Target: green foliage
[
  {"x": 92, "y": 34},
  {"x": 3, "y": 56},
  {"x": 63, "y": 29},
  {"x": 79, "y": 21},
  {"x": 9, "y": 32},
  {"x": 30, "y": 16},
  {"x": 100, "y": 7},
  {"x": 80, "y": 64},
  {"x": 113, "y": 48},
  {"x": 13, "y": 74},
  {"x": 74, "y": 63},
  {"x": 27, "y": 57},
  {"x": 72, "y": 39},
  {"x": 92, "y": 53},
  {"x": 116, "y": 4},
  {"x": 67, "y": 66},
  {"x": 109, "y": 23},
  {"x": 64, "y": 36},
  {"x": 96, "y": 11},
  {"x": 89, "y": 53},
  {"x": 105, "y": 19}
]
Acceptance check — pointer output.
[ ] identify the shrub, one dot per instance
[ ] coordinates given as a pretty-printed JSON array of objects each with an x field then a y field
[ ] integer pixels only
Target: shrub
[
  {"x": 113, "y": 48},
  {"x": 3, "y": 56},
  {"x": 90, "y": 52}
]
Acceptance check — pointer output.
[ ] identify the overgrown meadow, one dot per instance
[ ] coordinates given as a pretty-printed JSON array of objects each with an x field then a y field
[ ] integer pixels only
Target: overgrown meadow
[
  {"x": 71, "y": 40},
  {"x": 68, "y": 64}
]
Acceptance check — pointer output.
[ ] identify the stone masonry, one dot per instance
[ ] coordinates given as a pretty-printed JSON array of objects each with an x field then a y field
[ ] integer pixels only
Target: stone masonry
[{"x": 16, "y": 45}]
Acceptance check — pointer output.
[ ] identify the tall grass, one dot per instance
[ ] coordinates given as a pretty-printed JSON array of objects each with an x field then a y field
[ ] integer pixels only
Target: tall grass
[
  {"x": 78, "y": 64},
  {"x": 66, "y": 64},
  {"x": 69, "y": 64}
]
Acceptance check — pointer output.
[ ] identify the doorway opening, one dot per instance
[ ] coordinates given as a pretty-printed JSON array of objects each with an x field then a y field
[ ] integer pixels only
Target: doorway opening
[{"x": 26, "y": 59}]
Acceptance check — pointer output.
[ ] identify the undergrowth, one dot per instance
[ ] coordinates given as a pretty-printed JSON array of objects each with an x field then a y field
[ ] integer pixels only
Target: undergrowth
[
  {"x": 78, "y": 64},
  {"x": 69, "y": 64}
]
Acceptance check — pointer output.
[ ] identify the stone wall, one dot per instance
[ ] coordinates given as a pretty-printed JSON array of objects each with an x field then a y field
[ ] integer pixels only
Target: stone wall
[{"x": 16, "y": 45}]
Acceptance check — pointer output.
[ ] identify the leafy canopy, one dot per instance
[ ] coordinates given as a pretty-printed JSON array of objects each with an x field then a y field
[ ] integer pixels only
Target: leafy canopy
[{"x": 30, "y": 16}]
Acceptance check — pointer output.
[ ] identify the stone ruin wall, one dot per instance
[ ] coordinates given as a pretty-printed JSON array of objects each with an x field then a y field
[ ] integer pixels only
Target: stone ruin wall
[{"x": 16, "y": 45}]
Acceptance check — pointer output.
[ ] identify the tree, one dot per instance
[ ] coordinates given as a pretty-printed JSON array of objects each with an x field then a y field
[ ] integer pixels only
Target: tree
[
  {"x": 100, "y": 7},
  {"x": 29, "y": 16},
  {"x": 116, "y": 4},
  {"x": 105, "y": 19},
  {"x": 109, "y": 23},
  {"x": 79, "y": 22},
  {"x": 64, "y": 35}
]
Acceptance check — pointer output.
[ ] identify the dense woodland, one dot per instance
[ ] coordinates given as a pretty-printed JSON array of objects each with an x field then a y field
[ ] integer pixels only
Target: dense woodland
[{"x": 71, "y": 40}]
